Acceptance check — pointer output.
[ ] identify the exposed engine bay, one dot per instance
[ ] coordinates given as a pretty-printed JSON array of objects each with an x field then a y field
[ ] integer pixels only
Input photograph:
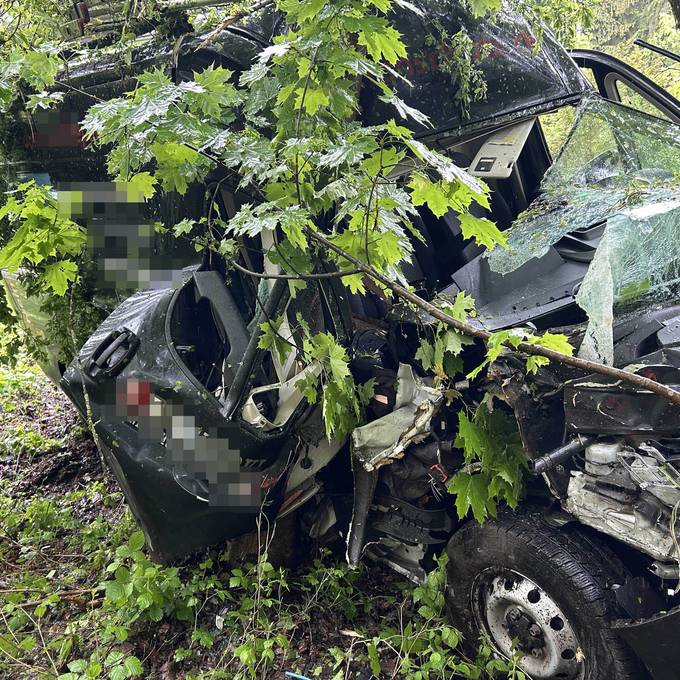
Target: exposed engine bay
[
  {"x": 631, "y": 495},
  {"x": 627, "y": 484}
]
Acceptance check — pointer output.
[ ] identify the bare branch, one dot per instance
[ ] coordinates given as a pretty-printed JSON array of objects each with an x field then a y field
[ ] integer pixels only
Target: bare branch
[
  {"x": 295, "y": 277},
  {"x": 590, "y": 366},
  {"x": 230, "y": 20}
]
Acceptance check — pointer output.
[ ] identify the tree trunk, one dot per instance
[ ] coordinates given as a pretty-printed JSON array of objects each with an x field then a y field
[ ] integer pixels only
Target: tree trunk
[{"x": 675, "y": 6}]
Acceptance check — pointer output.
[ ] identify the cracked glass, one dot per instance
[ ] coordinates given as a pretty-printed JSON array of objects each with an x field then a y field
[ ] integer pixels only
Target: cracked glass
[{"x": 615, "y": 186}]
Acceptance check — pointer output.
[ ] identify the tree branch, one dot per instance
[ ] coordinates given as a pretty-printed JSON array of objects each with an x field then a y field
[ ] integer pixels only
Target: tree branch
[
  {"x": 590, "y": 366},
  {"x": 294, "y": 277},
  {"x": 230, "y": 20}
]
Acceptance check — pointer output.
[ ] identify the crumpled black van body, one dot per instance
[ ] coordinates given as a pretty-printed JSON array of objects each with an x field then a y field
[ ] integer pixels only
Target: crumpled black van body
[{"x": 191, "y": 476}]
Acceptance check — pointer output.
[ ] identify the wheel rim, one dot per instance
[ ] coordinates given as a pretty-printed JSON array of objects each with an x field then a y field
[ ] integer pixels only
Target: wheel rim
[{"x": 508, "y": 606}]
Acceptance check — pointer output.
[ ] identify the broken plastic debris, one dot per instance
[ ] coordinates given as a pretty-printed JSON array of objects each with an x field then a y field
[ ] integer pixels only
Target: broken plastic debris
[{"x": 385, "y": 439}]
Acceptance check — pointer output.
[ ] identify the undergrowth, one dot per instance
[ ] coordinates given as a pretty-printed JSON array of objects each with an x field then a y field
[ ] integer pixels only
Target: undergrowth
[{"x": 81, "y": 599}]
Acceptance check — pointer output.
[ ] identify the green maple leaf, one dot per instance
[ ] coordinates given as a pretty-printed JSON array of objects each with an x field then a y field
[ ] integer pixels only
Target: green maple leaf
[
  {"x": 453, "y": 365},
  {"x": 309, "y": 386},
  {"x": 384, "y": 44},
  {"x": 293, "y": 222},
  {"x": 218, "y": 92},
  {"x": 40, "y": 68},
  {"x": 312, "y": 100},
  {"x": 496, "y": 344},
  {"x": 384, "y": 160},
  {"x": 58, "y": 275},
  {"x": 471, "y": 491},
  {"x": 388, "y": 247},
  {"x": 366, "y": 391},
  {"x": 406, "y": 111},
  {"x": 470, "y": 437},
  {"x": 354, "y": 283},
  {"x": 535, "y": 362},
  {"x": 301, "y": 11},
  {"x": 463, "y": 307},
  {"x": 174, "y": 164},
  {"x": 213, "y": 79},
  {"x": 484, "y": 231},
  {"x": 555, "y": 341},
  {"x": 398, "y": 131},
  {"x": 271, "y": 339},
  {"x": 183, "y": 227},
  {"x": 454, "y": 342},
  {"x": 346, "y": 152},
  {"x": 337, "y": 360},
  {"x": 425, "y": 355},
  {"x": 309, "y": 9},
  {"x": 18, "y": 248},
  {"x": 142, "y": 184},
  {"x": 432, "y": 194}
]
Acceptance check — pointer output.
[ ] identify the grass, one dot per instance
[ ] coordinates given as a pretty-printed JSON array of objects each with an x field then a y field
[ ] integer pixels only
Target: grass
[{"x": 80, "y": 599}]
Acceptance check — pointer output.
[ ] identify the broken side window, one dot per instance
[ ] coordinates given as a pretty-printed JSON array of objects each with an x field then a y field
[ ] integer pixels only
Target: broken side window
[{"x": 619, "y": 170}]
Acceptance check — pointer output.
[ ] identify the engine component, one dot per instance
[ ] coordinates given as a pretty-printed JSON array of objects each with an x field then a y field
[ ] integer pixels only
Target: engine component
[
  {"x": 628, "y": 494},
  {"x": 559, "y": 455},
  {"x": 618, "y": 519},
  {"x": 602, "y": 458}
]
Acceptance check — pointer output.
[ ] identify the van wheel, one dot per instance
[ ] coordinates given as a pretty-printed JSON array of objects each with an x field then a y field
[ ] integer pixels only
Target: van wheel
[{"x": 550, "y": 590}]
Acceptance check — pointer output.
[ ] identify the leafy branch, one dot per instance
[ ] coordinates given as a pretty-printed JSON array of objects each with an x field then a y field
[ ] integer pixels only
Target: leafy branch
[{"x": 531, "y": 348}]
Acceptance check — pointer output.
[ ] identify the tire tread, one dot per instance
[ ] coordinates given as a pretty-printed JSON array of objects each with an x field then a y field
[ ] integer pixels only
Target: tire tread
[{"x": 587, "y": 563}]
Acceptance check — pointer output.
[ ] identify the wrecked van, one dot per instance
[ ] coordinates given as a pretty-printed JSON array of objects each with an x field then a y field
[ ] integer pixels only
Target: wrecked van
[{"x": 209, "y": 435}]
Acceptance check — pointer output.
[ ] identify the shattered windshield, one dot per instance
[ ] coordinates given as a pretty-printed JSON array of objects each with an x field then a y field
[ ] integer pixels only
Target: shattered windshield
[{"x": 616, "y": 181}]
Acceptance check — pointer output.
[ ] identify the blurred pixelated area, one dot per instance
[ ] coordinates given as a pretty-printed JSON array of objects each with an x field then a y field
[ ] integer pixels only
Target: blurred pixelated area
[
  {"x": 121, "y": 238},
  {"x": 205, "y": 457},
  {"x": 54, "y": 129}
]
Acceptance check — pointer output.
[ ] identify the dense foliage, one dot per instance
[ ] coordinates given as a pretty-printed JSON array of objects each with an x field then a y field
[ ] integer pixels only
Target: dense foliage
[
  {"x": 311, "y": 168},
  {"x": 80, "y": 600}
]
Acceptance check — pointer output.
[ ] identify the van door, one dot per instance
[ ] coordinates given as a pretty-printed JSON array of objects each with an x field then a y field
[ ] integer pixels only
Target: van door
[{"x": 619, "y": 82}]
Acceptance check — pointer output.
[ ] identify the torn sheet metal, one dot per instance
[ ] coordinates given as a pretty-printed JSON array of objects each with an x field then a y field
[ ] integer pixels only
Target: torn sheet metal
[
  {"x": 385, "y": 439},
  {"x": 289, "y": 397},
  {"x": 610, "y": 407},
  {"x": 618, "y": 172}
]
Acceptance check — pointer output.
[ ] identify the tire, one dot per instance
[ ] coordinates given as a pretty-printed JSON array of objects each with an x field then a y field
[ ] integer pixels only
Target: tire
[{"x": 517, "y": 578}]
